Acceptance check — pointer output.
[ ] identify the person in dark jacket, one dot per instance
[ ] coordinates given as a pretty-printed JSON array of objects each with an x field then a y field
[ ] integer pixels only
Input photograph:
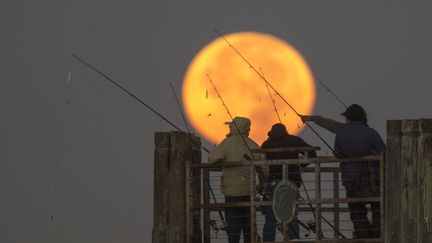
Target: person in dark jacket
[
  {"x": 361, "y": 179},
  {"x": 278, "y": 137}
]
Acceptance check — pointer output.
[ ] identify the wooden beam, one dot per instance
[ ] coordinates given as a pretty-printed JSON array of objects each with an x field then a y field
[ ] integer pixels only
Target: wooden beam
[
  {"x": 409, "y": 190},
  {"x": 173, "y": 190},
  {"x": 424, "y": 182}
]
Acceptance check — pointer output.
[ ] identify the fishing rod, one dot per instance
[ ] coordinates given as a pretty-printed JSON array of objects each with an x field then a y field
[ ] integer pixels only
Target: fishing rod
[
  {"x": 330, "y": 91},
  {"x": 271, "y": 86},
  {"x": 205, "y": 178},
  {"x": 129, "y": 93},
  {"x": 154, "y": 111},
  {"x": 232, "y": 118},
  {"x": 322, "y": 217},
  {"x": 238, "y": 130},
  {"x": 180, "y": 108},
  {"x": 271, "y": 98}
]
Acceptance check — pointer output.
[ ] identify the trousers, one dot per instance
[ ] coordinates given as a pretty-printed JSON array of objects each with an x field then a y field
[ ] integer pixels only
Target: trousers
[
  {"x": 238, "y": 220},
  {"x": 363, "y": 227}
]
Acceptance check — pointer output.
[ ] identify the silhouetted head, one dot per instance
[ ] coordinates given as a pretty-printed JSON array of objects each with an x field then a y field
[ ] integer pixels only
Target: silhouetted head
[
  {"x": 355, "y": 113},
  {"x": 239, "y": 125},
  {"x": 277, "y": 130}
]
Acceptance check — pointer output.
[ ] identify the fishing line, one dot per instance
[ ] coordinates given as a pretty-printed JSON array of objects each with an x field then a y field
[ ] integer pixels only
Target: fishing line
[{"x": 271, "y": 86}]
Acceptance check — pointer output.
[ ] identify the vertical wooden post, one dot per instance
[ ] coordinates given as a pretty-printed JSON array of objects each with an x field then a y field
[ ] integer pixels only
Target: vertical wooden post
[
  {"x": 393, "y": 182},
  {"x": 253, "y": 224},
  {"x": 424, "y": 204},
  {"x": 409, "y": 190},
  {"x": 172, "y": 151},
  {"x": 206, "y": 200},
  {"x": 284, "y": 223},
  {"x": 382, "y": 188},
  {"x": 160, "y": 196},
  {"x": 336, "y": 211},
  {"x": 318, "y": 198},
  {"x": 189, "y": 199}
]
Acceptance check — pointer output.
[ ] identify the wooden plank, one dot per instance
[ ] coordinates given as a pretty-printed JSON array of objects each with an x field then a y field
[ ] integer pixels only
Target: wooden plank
[
  {"x": 424, "y": 181},
  {"x": 160, "y": 195},
  {"x": 176, "y": 178},
  {"x": 409, "y": 190},
  {"x": 172, "y": 192},
  {"x": 206, "y": 200},
  {"x": 336, "y": 210},
  {"x": 318, "y": 199},
  {"x": 370, "y": 240},
  {"x": 252, "y": 191},
  {"x": 321, "y": 159},
  {"x": 188, "y": 191},
  {"x": 382, "y": 207},
  {"x": 286, "y": 149},
  {"x": 302, "y": 202}
]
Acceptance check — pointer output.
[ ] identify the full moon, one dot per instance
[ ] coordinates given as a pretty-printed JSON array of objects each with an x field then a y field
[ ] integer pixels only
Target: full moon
[{"x": 243, "y": 90}]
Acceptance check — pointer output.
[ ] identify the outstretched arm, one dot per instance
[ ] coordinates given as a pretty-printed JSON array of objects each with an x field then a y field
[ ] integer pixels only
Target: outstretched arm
[{"x": 326, "y": 123}]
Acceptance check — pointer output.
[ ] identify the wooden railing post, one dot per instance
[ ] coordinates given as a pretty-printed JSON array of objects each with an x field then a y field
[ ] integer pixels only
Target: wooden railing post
[
  {"x": 424, "y": 199},
  {"x": 171, "y": 200},
  {"x": 253, "y": 224},
  {"x": 409, "y": 190},
  {"x": 206, "y": 200},
  {"x": 393, "y": 181},
  {"x": 318, "y": 198},
  {"x": 284, "y": 223},
  {"x": 336, "y": 212}
]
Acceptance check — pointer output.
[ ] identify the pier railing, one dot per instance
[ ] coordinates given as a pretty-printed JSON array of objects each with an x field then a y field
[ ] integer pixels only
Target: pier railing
[{"x": 327, "y": 199}]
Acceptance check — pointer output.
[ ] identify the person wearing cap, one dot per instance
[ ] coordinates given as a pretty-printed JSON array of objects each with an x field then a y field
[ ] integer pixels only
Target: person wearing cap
[
  {"x": 278, "y": 137},
  {"x": 235, "y": 181},
  {"x": 361, "y": 179}
]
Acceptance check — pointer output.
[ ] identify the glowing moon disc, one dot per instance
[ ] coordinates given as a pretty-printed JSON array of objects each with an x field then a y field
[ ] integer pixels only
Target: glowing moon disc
[{"x": 243, "y": 91}]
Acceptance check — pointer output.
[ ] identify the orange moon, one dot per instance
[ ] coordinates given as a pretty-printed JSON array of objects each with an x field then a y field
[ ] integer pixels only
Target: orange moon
[{"x": 243, "y": 90}]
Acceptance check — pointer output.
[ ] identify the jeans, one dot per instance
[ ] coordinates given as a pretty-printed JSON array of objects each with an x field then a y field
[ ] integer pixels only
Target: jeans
[
  {"x": 358, "y": 211},
  {"x": 269, "y": 231},
  {"x": 238, "y": 220}
]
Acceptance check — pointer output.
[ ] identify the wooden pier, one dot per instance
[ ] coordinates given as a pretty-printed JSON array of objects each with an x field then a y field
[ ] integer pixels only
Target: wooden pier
[{"x": 188, "y": 204}]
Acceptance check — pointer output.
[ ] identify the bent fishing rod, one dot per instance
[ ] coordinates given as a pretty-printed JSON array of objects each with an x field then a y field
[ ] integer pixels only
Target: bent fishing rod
[
  {"x": 273, "y": 88},
  {"x": 330, "y": 91},
  {"x": 131, "y": 94},
  {"x": 205, "y": 178},
  {"x": 232, "y": 118},
  {"x": 180, "y": 108},
  {"x": 271, "y": 98},
  {"x": 151, "y": 109}
]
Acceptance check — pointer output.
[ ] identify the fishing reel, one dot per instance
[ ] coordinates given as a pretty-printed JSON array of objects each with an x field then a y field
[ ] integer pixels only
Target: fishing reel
[
  {"x": 215, "y": 227},
  {"x": 312, "y": 226}
]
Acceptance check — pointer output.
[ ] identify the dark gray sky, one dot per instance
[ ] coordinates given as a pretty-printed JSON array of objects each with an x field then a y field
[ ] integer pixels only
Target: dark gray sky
[{"x": 82, "y": 151}]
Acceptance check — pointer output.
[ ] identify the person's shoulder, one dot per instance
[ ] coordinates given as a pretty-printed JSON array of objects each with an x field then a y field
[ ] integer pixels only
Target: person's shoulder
[
  {"x": 343, "y": 128},
  {"x": 293, "y": 138},
  {"x": 374, "y": 132},
  {"x": 253, "y": 142},
  {"x": 266, "y": 144}
]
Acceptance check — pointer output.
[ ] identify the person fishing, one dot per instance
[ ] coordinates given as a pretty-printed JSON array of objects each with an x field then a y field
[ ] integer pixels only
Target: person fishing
[
  {"x": 361, "y": 179},
  {"x": 278, "y": 137},
  {"x": 235, "y": 181}
]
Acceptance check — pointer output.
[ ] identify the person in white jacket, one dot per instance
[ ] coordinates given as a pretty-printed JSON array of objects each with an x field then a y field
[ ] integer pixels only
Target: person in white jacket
[{"x": 235, "y": 182}]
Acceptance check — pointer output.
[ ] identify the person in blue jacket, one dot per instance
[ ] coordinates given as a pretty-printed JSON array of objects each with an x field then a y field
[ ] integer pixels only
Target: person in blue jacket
[{"x": 355, "y": 138}]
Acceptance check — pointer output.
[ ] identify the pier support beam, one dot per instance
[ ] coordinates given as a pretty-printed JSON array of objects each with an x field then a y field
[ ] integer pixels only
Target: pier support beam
[
  {"x": 407, "y": 181},
  {"x": 173, "y": 150}
]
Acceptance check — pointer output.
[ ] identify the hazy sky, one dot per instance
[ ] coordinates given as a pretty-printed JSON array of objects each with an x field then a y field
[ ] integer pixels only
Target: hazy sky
[{"x": 82, "y": 151}]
